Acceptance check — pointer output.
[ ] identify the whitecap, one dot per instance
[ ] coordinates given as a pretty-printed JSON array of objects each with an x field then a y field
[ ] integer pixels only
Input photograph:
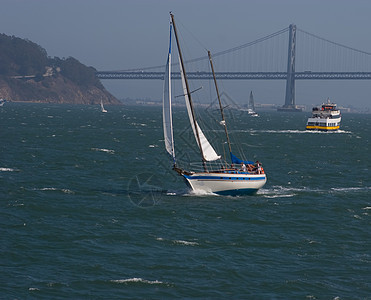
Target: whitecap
[
  {"x": 137, "y": 280},
  {"x": 187, "y": 243},
  {"x": 48, "y": 189},
  {"x": 7, "y": 170},
  {"x": 139, "y": 124},
  {"x": 104, "y": 150},
  {"x": 66, "y": 191}
]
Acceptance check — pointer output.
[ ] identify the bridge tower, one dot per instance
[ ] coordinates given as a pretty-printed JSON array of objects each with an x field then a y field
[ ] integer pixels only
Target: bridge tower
[{"x": 290, "y": 81}]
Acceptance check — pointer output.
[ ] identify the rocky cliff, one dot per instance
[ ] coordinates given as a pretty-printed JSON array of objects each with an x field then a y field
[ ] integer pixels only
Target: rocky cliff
[{"x": 28, "y": 74}]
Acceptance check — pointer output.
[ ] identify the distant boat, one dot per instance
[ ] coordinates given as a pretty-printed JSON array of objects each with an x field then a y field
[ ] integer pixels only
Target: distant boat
[
  {"x": 102, "y": 107},
  {"x": 2, "y": 102},
  {"x": 251, "y": 108},
  {"x": 324, "y": 118},
  {"x": 217, "y": 176}
]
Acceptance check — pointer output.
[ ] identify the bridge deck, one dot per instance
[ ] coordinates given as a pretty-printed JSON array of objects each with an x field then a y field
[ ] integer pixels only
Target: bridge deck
[{"x": 236, "y": 75}]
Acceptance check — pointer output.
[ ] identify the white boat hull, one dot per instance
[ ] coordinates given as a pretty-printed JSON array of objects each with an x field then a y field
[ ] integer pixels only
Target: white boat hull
[
  {"x": 324, "y": 124},
  {"x": 236, "y": 183}
]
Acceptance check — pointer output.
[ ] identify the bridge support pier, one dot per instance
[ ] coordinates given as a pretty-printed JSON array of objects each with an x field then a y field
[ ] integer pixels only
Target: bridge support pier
[{"x": 290, "y": 81}]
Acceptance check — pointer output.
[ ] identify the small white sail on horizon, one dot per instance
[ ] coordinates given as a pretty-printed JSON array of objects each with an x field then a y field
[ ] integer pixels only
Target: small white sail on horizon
[
  {"x": 102, "y": 107},
  {"x": 251, "y": 106}
]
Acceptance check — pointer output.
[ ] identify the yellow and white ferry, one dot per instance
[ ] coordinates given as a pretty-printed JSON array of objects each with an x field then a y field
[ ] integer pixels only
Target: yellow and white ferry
[{"x": 325, "y": 117}]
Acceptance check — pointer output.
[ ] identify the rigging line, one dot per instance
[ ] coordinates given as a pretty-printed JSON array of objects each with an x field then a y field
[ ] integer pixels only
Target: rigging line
[
  {"x": 334, "y": 43},
  {"x": 193, "y": 36},
  {"x": 189, "y": 92}
]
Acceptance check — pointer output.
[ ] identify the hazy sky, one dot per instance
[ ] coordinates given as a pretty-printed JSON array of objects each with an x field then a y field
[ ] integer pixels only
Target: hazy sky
[{"x": 123, "y": 34}]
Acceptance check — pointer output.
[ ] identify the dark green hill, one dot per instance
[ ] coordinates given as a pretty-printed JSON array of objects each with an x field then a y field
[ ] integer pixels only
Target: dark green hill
[{"x": 28, "y": 74}]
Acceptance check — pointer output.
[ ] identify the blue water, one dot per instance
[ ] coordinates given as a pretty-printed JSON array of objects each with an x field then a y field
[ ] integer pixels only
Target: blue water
[{"x": 90, "y": 209}]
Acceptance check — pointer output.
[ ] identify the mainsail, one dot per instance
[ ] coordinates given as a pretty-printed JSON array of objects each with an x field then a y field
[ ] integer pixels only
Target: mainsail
[
  {"x": 166, "y": 107},
  {"x": 207, "y": 150},
  {"x": 251, "y": 102}
]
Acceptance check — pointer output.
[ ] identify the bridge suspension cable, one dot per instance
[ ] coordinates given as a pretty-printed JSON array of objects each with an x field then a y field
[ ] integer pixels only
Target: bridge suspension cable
[
  {"x": 220, "y": 53},
  {"x": 266, "y": 57},
  {"x": 334, "y": 43}
]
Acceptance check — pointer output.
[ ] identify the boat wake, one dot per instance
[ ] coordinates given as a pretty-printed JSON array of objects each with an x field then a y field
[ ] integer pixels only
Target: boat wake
[
  {"x": 200, "y": 193},
  {"x": 292, "y": 131},
  {"x": 277, "y": 192},
  {"x": 287, "y": 192}
]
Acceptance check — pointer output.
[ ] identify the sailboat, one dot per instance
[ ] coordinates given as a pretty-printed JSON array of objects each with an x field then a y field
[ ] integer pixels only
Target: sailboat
[
  {"x": 251, "y": 108},
  {"x": 102, "y": 107},
  {"x": 226, "y": 179},
  {"x": 2, "y": 102}
]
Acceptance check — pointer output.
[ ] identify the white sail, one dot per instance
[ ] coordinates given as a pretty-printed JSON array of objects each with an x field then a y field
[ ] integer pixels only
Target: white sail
[
  {"x": 166, "y": 107},
  {"x": 251, "y": 102},
  {"x": 102, "y": 107},
  {"x": 207, "y": 150}
]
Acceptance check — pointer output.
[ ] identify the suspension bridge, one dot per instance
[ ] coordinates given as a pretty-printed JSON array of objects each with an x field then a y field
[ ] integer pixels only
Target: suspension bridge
[{"x": 289, "y": 54}]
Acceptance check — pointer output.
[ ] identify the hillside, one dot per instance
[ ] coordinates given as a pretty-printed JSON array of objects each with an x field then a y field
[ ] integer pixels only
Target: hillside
[{"x": 28, "y": 74}]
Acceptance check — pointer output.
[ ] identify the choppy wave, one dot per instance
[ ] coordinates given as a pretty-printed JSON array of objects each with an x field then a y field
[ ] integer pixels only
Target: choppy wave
[
  {"x": 66, "y": 191},
  {"x": 104, "y": 150},
  {"x": 8, "y": 170},
  {"x": 178, "y": 242},
  {"x": 186, "y": 243},
  {"x": 139, "y": 124},
  {"x": 137, "y": 280}
]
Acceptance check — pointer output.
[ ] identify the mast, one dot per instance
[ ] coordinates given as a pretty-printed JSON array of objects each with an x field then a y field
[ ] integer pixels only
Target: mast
[
  {"x": 188, "y": 93},
  {"x": 220, "y": 103}
]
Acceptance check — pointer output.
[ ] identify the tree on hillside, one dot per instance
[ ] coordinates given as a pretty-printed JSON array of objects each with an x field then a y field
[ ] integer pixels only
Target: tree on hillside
[
  {"x": 78, "y": 72},
  {"x": 21, "y": 57}
]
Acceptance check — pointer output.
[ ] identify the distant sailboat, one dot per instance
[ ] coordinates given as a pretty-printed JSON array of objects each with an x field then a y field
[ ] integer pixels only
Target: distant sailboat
[
  {"x": 102, "y": 107},
  {"x": 220, "y": 178},
  {"x": 2, "y": 102},
  {"x": 251, "y": 107}
]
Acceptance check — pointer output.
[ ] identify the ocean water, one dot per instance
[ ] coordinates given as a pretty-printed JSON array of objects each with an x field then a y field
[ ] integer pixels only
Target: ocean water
[{"x": 90, "y": 209}]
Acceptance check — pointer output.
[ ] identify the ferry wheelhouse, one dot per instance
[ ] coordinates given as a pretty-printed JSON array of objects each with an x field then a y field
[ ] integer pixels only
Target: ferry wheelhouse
[{"x": 325, "y": 118}]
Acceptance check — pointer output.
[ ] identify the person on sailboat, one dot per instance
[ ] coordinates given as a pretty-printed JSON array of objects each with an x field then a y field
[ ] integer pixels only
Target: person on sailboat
[
  {"x": 258, "y": 167},
  {"x": 243, "y": 167}
]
